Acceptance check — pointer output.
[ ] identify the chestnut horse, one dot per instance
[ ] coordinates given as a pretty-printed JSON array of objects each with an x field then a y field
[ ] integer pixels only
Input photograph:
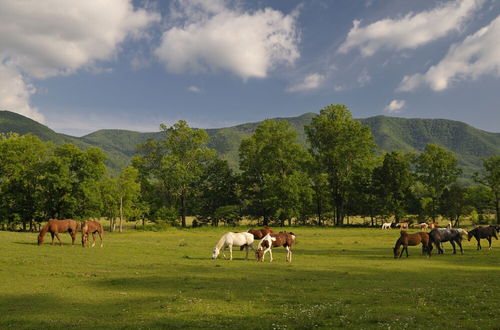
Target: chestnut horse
[
  {"x": 259, "y": 233},
  {"x": 55, "y": 227},
  {"x": 406, "y": 239},
  {"x": 272, "y": 240},
  {"x": 483, "y": 232},
  {"x": 91, "y": 227}
]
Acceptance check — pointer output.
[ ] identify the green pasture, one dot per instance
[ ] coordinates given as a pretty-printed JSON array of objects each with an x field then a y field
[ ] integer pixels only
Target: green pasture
[{"x": 339, "y": 278}]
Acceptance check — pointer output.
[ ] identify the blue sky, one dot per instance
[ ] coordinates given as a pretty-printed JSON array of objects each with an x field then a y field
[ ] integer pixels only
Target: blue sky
[{"x": 80, "y": 66}]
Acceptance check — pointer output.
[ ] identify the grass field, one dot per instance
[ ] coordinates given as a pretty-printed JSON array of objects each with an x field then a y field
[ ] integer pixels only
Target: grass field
[{"x": 338, "y": 278}]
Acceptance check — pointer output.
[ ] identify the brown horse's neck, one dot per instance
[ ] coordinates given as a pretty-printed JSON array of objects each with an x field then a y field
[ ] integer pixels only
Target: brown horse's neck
[{"x": 44, "y": 231}]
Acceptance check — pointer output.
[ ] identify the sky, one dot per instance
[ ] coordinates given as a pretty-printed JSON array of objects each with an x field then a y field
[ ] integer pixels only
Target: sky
[{"x": 80, "y": 66}]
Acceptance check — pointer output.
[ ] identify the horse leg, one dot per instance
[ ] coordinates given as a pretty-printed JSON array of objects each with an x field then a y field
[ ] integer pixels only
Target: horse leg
[
  {"x": 460, "y": 246},
  {"x": 58, "y": 238},
  {"x": 73, "y": 237},
  {"x": 224, "y": 252},
  {"x": 402, "y": 250},
  {"x": 478, "y": 243},
  {"x": 246, "y": 248},
  {"x": 93, "y": 239},
  {"x": 52, "y": 234},
  {"x": 453, "y": 245},
  {"x": 231, "y": 252},
  {"x": 100, "y": 237},
  {"x": 489, "y": 241}
]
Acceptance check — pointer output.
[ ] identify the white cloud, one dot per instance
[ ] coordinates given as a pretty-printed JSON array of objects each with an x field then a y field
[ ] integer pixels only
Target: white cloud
[
  {"x": 395, "y": 106},
  {"x": 15, "y": 93},
  {"x": 311, "y": 81},
  {"x": 41, "y": 39},
  {"x": 364, "y": 78},
  {"x": 476, "y": 55},
  {"x": 211, "y": 36},
  {"x": 411, "y": 30},
  {"x": 194, "y": 89}
]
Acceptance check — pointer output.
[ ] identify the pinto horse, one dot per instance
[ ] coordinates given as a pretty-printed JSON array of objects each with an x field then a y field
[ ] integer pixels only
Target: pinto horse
[
  {"x": 259, "y": 233},
  {"x": 91, "y": 227},
  {"x": 439, "y": 235},
  {"x": 55, "y": 227},
  {"x": 229, "y": 239},
  {"x": 273, "y": 240},
  {"x": 406, "y": 240},
  {"x": 482, "y": 232}
]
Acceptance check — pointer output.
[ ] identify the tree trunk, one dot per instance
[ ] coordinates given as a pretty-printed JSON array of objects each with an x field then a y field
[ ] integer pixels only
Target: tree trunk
[
  {"x": 121, "y": 214},
  {"x": 183, "y": 211},
  {"x": 266, "y": 221},
  {"x": 318, "y": 210},
  {"x": 497, "y": 206},
  {"x": 143, "y": 221}
]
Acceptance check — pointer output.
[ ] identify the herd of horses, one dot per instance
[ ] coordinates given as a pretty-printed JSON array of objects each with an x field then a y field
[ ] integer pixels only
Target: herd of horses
[
  {"x": 437, "y": 236},
  {"x": 269, "y": 239},
  {"x": 54, "y": 227}
]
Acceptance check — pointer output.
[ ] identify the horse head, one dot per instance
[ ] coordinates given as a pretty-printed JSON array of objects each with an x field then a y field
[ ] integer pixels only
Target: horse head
[
  {"x": 259, "y": 253},
  {"x": 215, "y": 253},
  {"x": 396, "y": 252},
  {"x": 40, "y": 239}
]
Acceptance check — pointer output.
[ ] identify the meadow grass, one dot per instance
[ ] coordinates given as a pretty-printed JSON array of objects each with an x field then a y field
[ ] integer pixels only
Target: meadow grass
[{"x": 339, "y": 278}]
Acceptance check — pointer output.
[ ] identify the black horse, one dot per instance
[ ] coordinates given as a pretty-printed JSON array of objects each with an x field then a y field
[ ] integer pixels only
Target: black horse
[
  {"x": 483, "y": 232},
  {"x": 439, "y": 235}
]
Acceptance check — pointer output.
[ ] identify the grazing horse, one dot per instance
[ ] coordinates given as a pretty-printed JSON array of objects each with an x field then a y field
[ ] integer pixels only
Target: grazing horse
[
  {"x": 421, "y": 226},
  {"x": 439, "y": 235},
  {"x": 402, "y": 225},
  {"x": 59, "y": 226},
  {"x": 273, "y": 240},
  {"x": 259, "y": 233},
  {"x": 406, "y": 240},
  {"x": 482, "y": 232},
  {"x": 91, "y": 227},
  {"x": 386, "y": 225},
  {"x": 229, "y": 239}
]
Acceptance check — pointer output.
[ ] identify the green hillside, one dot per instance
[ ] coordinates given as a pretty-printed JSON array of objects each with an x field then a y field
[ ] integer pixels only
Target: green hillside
[{"x": 468, "y": 143}]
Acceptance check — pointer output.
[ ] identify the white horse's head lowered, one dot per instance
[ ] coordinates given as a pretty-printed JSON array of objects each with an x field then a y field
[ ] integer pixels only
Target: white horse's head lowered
[{"x": 215, "y": 253}]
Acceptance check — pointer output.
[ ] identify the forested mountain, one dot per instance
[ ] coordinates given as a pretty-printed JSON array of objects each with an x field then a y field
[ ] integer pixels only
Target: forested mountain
[{"x": 470, "y": 144}]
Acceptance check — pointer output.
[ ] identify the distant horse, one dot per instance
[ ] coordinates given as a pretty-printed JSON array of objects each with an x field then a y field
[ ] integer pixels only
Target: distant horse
[
  {"x": 406, "y": 240},
  {"x": 482, "y": 232},
  {"x": 449, "y": 225},
  {"x": 229, "y": 239},
  {"x": 433, "y": 225},
  {"x": 402, "y": 225},
  {"x": 386, "y": 225},
  {"x": 273, "y": 240},
  {"x": 259, "y": 233},
  {"x": 59, "y": 226},
  {"x": 421, "y": 226},
  {"x": 439, "y": 235},
  {"x": 91, "y": 227}
]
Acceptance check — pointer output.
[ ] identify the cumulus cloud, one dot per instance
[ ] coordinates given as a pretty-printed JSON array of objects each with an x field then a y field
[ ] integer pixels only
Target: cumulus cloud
[
  {"x": 212, "y": 36},
  {"x": 41, "y": 39},
  {"x": 476, "y": 55},
  {"x": 395, "y": 106},
  {"x": 311, "y": 81},
  {"x": 15, "y": 93},
  {"x": 194, "y": 89},
  {"x": 411, "y": 30}
]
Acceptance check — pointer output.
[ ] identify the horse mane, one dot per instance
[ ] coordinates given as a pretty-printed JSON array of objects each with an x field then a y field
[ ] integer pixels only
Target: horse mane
[
  {"x": 221, "y": 242},
  {"x": 44, "y": 230}
]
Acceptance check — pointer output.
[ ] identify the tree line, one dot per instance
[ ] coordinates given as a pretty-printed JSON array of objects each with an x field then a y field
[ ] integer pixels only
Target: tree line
[{"x": 279, "y": 181}]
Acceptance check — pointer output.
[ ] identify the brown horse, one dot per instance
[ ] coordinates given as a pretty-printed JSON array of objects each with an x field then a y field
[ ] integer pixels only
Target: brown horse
[
  {"x": 260, "y": 233},
  {"x": 412, "y": 239},
  {"x": 59, "y": 226},
  {"x": 483, "y": 232},
  {"x": 273, "y": 240},
  {"x": 91, "y": 227}
]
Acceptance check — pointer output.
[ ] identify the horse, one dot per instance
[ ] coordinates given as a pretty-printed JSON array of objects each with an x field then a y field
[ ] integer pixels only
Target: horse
[
  {"x": 449, "y": 225},
  {"x": 482, "y": 232},
  {"x": 433, "y": 225},
  {"x": 273, "y": 240},
  {"x": 421, "y": 226},
  {"x": 259, "y": 233},
  {"x": 91, "y": 227},
  {"x": 402, "y": 225},
  {"x": 439, "y": 235},
  {"x": 55, "y": 227},
  {"x": 386, "y": 225},
  {"x": 229, "y": 239},
  {"x": 406, "y": 240}
]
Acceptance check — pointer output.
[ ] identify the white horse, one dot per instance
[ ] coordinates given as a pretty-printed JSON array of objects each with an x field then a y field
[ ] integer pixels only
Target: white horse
[
  {"x": 386, "y": 225},
  {"x": 229, "y": 239}
]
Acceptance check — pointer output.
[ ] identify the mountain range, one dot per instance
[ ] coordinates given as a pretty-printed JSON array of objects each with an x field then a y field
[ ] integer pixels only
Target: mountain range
[{"x": 391, "y": 133}]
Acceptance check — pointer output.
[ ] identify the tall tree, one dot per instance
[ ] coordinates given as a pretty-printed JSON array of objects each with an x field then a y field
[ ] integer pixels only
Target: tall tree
[
  {"x": 436, "y": 169},
  {"x": 491, "y": 179},
  {"x": 341, "y": 146},
  {"x": 128, "y": 192},
  {"x": 392, "y": 182},
  {"x": 270, "y": 161}
]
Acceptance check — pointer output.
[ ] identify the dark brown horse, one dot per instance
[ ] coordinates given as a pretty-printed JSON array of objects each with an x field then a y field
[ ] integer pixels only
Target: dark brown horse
[
  {"x": 406, "y": 240},
  {"x": 59, "y": 226},
  {"x": 273, "y": 240},
  {"x": 91, "y": 227},
  {"x": 483, "y": 232},
  {"x": 260, "y": 233},
  {"x": 453, "y": 235}
]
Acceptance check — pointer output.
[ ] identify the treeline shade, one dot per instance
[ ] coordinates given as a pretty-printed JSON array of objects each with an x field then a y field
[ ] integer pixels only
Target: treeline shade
[{"x": 279, "y": 181}]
